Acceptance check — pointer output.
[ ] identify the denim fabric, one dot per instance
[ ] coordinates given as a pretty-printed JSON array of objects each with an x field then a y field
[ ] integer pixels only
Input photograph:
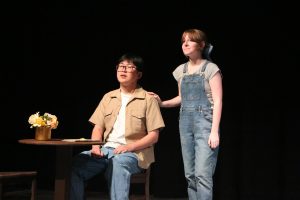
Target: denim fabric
[
  {"x": 117, "y": 168},
  {"x": 195, "y": 125}
]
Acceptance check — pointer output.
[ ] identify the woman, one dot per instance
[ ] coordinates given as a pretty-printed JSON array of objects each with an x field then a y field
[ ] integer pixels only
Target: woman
[{"x": 200, "y": 96}]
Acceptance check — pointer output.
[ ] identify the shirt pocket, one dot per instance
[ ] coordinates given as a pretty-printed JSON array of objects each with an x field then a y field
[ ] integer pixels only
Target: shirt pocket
[{"x": 137, "y": 123}]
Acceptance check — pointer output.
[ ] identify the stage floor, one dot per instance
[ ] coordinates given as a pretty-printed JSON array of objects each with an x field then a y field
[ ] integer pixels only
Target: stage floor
[{"x": 48, "y": 195}]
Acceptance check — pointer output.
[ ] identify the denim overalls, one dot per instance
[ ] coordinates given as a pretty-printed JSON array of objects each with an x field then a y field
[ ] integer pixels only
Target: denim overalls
[{"x": 195, "y": 124}]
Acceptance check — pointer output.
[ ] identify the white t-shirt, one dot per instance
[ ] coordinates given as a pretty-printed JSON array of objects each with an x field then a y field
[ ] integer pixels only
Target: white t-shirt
[{"x": 117, "y": 136}]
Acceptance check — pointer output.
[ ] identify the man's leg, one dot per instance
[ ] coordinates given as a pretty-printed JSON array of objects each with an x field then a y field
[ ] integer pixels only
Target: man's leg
[
  {"x": 84, "y": 167},
  {"x": 121, "y": 166}
]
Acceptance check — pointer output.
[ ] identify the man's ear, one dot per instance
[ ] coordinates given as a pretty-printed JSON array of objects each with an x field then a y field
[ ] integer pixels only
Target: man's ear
[{"x": 140, "y": 74}]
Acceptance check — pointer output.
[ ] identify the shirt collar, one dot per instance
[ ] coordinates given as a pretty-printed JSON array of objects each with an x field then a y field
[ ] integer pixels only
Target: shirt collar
[{"x": 139, "y": 93}]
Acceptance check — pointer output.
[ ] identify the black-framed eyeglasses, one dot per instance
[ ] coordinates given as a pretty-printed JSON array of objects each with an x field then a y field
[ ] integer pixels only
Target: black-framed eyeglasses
[{"x": 127, "y": 68}]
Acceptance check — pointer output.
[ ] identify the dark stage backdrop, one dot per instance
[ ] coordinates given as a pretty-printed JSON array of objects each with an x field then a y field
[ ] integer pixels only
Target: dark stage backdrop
[{"x": 59, "y": 57}]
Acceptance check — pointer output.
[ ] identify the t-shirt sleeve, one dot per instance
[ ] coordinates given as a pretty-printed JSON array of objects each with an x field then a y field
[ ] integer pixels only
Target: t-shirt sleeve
[
  {"x": 178, "y": 73},
  {"x": 211, "y": 70}
]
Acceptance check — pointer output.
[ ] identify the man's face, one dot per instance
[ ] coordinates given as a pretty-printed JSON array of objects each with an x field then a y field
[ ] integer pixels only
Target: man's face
[{"x": 127, "y": 73}]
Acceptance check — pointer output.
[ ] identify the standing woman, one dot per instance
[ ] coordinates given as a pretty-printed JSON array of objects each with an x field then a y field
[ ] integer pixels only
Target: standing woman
[{"x": 200, "y": 96}]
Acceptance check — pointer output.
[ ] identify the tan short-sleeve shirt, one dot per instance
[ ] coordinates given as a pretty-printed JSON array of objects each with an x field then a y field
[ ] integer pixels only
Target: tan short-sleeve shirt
[{"x": 142, "y": 115}]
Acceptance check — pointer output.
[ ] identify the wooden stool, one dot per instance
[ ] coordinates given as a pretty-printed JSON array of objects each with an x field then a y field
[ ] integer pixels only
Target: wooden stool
[
  {"x": 142, "y": 178},
  {"x": 15, "y": 178}
]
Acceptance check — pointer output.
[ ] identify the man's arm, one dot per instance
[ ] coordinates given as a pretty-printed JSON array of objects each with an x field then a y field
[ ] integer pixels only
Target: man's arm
[
  {"x": 150, "y": 139},
  {"x": 97, "y": 134}
]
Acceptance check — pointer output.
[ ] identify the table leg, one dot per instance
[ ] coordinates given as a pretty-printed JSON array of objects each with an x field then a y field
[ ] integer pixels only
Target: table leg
[{"x": 62, "y": 172}]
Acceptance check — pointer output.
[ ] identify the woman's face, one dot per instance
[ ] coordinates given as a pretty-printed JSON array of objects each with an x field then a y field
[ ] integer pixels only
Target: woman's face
[{"x": 190, "y": 47}]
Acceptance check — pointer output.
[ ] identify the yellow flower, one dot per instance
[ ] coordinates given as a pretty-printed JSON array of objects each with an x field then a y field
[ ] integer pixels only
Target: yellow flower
[{"x": 37, "y": 120}]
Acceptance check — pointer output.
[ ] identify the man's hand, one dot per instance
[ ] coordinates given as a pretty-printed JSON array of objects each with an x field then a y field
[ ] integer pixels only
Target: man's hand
[
  {"x": 96, "y": 152},
  {"x": 123, "y": 149}
]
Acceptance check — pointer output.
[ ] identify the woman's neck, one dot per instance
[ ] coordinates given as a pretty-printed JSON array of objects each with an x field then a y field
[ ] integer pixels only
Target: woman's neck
[{"x": 195, "y": 62}]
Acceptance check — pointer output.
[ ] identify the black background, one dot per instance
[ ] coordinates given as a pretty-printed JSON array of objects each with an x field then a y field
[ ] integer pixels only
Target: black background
[{"x": 59, "y": 57}]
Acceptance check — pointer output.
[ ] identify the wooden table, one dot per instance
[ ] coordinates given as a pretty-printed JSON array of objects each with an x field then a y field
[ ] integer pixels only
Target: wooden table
[{"x": 63, "y": 162}]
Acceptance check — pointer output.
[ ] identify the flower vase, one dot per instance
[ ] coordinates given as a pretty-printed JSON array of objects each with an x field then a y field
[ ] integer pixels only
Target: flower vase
[{"x": 43, "y": 133}]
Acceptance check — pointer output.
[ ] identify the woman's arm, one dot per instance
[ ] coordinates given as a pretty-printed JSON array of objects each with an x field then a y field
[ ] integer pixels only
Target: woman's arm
[
  {"x": 217, "y": 95},
  {"x": 176, "y": 101}
]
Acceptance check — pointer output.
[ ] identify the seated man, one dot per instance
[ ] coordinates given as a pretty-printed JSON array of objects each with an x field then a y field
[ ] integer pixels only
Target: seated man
[{"x": 128, "y": 121}]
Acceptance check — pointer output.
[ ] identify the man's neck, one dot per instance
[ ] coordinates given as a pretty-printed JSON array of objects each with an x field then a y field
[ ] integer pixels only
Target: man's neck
[{"x": 127, "y": 90}]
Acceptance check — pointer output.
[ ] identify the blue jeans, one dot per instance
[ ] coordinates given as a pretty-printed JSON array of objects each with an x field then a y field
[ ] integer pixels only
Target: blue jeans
[
  {"x": 117, "y": 168},
  {"x": 198, "y": 158}
]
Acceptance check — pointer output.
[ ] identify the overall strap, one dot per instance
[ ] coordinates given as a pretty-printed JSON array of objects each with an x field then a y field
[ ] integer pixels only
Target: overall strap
[
  {"x": 204, "y": 66},
  {"x": 185, "y": 68}
]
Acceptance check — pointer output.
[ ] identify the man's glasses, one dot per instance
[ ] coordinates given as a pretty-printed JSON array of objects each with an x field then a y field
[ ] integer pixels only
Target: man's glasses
[{"x": 127, "y": 68}]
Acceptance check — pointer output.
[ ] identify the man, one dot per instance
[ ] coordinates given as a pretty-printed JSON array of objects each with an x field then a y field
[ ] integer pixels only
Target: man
[{"x": 128, "y": 121}]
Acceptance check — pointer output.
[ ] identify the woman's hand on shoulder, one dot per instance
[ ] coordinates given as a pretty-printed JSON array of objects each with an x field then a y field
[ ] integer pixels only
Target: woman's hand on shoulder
[{"x": 156, "y": 97}]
